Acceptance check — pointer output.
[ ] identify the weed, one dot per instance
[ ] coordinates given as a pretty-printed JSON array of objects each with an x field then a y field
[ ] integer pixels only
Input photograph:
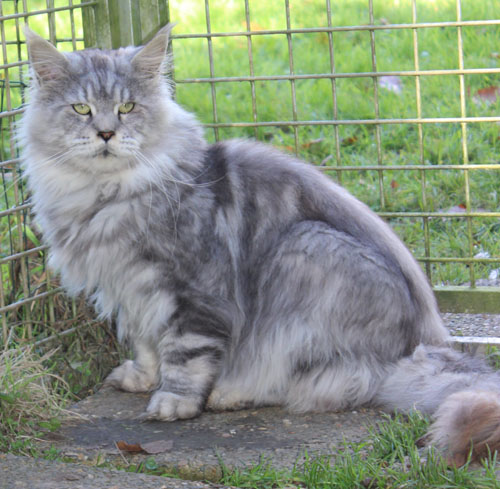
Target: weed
[
  {"x": 389, "y": 459},
  {"x": 31, "y": 398}
]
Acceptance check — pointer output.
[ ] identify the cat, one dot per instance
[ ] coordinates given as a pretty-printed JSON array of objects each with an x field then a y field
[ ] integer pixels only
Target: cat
[{"x": 239, "y": 275}]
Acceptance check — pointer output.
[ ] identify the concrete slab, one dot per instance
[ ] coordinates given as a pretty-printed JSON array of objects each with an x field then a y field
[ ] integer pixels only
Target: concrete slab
[{"x": 194, "y": 447}]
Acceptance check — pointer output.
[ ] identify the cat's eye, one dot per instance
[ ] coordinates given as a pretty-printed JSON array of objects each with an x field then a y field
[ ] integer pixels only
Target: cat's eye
[
  {"x": 82, "y": 109},
  {"x": 126, "y": 108}
]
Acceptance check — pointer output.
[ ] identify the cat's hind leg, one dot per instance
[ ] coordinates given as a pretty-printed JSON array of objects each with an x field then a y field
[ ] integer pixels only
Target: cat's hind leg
[
  {"x": 231, "y": 397},
  {"x": 332, "y": 314},
  {"x": 138, "y": 375}
]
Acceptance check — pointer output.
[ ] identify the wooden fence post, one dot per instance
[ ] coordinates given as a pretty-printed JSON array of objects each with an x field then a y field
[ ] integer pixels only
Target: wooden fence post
[{"x": 115, "y": 23}]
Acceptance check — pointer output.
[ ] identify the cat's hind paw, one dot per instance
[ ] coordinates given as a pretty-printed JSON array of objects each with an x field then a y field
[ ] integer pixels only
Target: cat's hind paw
[
  {"x": 220, "y": 400},
  {"x": 167, "y": 406},
  {"x": 131, "y": 378}
]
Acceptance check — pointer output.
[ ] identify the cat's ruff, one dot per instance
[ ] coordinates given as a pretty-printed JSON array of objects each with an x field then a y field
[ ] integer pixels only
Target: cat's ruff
[{"x": 239, "y": 275}]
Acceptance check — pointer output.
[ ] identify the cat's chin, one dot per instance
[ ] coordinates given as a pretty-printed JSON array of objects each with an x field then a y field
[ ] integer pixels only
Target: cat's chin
[
  {"x": 105, "y": 153},
  {"x": 112, "y": 158},
  {"x": 103, "y": 163}
]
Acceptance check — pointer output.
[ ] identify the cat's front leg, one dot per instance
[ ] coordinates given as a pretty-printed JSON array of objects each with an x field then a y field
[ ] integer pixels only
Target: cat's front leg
[{"x": 190, "y": 355}]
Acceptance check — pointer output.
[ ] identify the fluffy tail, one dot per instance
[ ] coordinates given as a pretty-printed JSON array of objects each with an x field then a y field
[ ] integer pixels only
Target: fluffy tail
[{"x": 461, "y": 392}]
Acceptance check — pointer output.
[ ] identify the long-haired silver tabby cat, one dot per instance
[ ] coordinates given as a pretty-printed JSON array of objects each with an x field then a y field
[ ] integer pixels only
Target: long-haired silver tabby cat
[{"x": 239, "y": 275}]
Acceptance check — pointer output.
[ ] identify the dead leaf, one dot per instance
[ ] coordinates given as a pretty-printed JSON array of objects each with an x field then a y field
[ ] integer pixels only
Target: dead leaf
[
  {"x": 457, "y": 209},
  {"x": 254, "y": 26},
  {"x": 488, "y": 95},
  {"x": 159, "y": 446},
  {"x": 394, "y": 184},
  {"x": 129, "y": 447},
  {"x": 151, "y": 448},
  {"x": 391, "y": 83},
  {"x": 308, "y": 144},
  {"x": 349, "y": 141}
]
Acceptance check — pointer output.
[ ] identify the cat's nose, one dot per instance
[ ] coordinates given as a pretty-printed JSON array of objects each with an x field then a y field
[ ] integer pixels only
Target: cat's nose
[{"x": 106, "y": 135}]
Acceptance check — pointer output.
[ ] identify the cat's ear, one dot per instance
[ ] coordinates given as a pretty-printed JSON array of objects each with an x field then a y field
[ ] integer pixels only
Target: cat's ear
[
  {"x": 47, "y": 62},
  {"x": 150, "y": 59}
]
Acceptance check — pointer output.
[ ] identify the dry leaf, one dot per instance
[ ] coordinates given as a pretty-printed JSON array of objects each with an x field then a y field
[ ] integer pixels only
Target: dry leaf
[
  {"x": 456, "y": 209},
  {"x": 310, "y": 143},
  {"x": 151, "y": 448},
  {"x": 128, "y": 447},
  {"x": 394, "y": 184},
  {"x": 349, "y": 141},
  {"x": 254, "y": 26},
  {"x": 487, "y": 95}
]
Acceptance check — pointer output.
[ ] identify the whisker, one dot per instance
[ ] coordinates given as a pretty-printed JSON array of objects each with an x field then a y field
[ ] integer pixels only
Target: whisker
[
  {"x": 159, "y": 183},
  {"x": 188, "y": 182}
]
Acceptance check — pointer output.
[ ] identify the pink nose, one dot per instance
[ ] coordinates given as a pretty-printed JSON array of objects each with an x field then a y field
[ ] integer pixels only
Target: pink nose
[{"x": 106, "y": 135}]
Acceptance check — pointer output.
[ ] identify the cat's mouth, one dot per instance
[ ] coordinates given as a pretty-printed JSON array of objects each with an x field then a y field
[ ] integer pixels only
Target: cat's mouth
[{"x": 104, "y": 153}]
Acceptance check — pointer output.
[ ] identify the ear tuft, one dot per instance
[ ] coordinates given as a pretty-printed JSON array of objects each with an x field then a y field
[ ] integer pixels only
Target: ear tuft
[
  {"x": 47, "y": 62},
  {"x": 149, "y": 60}
]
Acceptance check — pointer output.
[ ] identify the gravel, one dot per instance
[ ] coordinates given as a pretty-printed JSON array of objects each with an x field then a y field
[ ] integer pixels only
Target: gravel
[{"x": 473, "y": 324}]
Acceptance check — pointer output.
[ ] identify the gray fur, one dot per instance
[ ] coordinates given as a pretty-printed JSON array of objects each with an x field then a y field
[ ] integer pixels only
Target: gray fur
[{"x": 238, "y": 274}]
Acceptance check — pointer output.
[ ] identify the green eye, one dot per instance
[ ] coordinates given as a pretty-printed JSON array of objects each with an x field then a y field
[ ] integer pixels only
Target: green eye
[
  {"x": 126, "y": 108},
  {"x": 82, "y": 109}
]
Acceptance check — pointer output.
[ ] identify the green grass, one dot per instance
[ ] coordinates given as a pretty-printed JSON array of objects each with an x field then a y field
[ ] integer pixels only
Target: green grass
[
  {"x": 32, "y": 398},
  {"x": 389, "y": 458},
  {"x": 37, "y": 384}
]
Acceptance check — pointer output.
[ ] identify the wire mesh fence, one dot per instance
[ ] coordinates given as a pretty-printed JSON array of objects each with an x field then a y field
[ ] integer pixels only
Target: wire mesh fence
[
  {"x": 31, "y": 302},
  {"x": 398, "y": 100}
]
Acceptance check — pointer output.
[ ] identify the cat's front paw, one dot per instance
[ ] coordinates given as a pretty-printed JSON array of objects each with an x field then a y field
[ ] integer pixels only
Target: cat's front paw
[
  {"x": 131, "y": 378},
  {"x": 167, "y": 406}
]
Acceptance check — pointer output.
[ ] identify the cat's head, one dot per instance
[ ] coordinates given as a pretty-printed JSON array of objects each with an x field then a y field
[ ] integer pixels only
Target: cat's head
[{"x": 97, "y": 110}]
